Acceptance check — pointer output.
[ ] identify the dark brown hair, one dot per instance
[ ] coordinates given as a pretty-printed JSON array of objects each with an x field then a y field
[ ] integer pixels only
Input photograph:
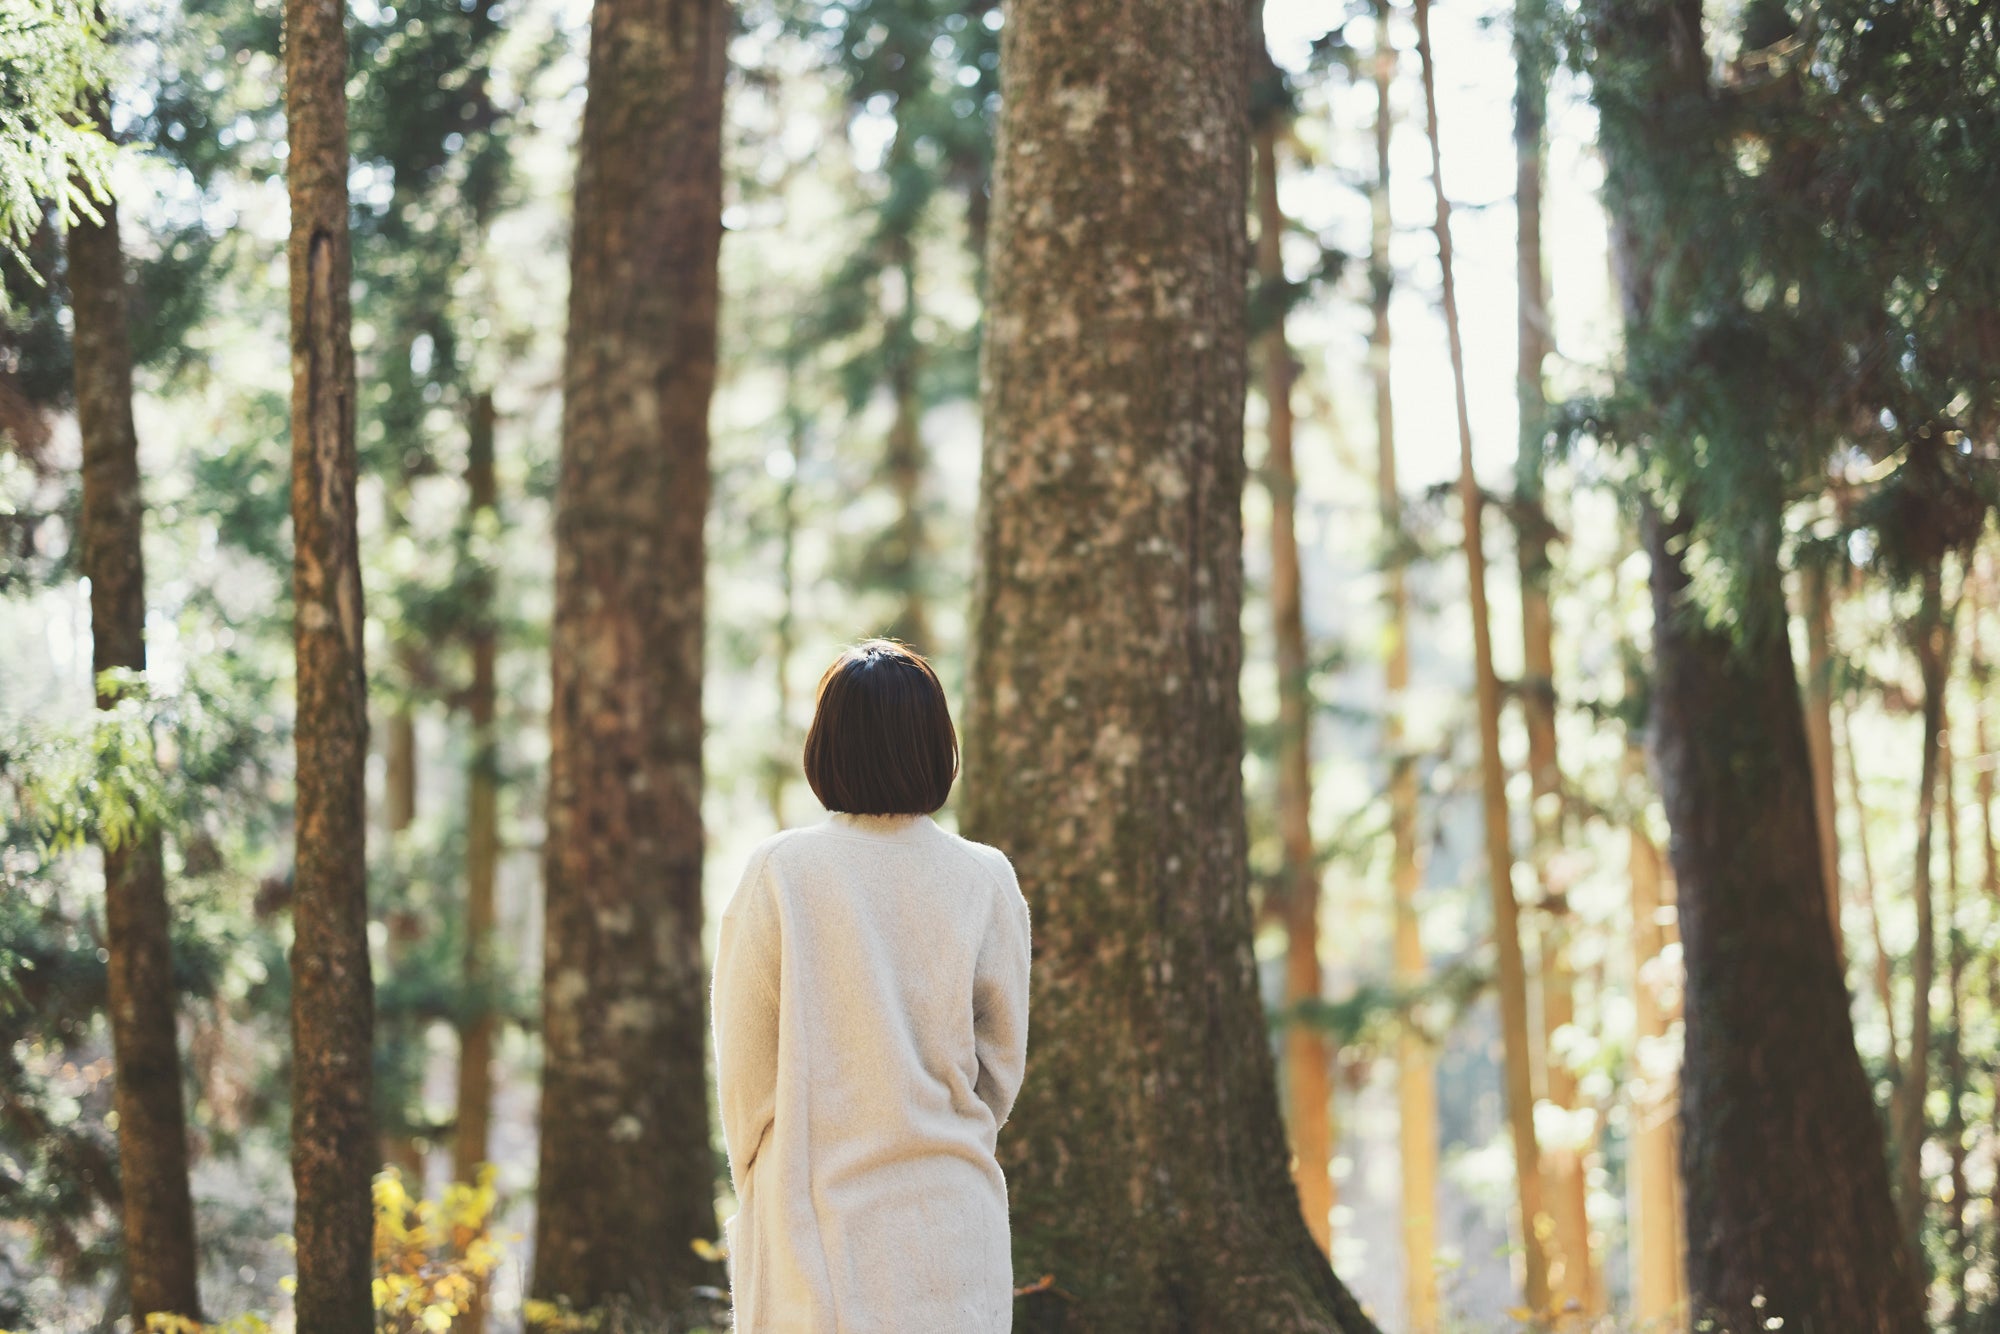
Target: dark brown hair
[{"x": 881, "y": 742}]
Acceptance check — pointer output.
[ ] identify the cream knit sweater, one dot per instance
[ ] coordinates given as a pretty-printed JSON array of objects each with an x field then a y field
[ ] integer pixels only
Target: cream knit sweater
[{"x": 871, "y": 1027}]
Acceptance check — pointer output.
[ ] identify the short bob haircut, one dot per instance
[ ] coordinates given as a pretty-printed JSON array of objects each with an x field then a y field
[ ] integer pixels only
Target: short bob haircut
[{"x": 881, "y": 742}]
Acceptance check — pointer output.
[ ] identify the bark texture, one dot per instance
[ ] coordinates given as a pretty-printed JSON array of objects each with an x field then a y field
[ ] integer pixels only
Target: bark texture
[
  {"x": 1416, "y": 1077},
  {"x": 1308, "y": 1052},
  {"x": 627, "y": 1177},
  {"x": 334, "y": 1152},
  {"x": 158, "y": 1212},
  {"x": 1146, "y": 1156},
  {"x": 1511, "y": 968}
]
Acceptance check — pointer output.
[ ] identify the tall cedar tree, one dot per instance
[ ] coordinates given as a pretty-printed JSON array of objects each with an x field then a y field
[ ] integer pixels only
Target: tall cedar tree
[
  {"x": 152, "y": 1125},
  {"x": 478, "y": 1018},
  {"x": 1574, "y": 1282},
  {"x": 1146, "y": 1159},
  {"x": 478, "y": 1023},
  {"x": 1308, "y": 1050},
  {"x": 333, "y": 1143},
  {"x": 1416, "y": 1074},
  {"x": 1511, "y": 968},
  {"x": 627, "y": 1176},
  {"x": 1777, "y": 1120}
]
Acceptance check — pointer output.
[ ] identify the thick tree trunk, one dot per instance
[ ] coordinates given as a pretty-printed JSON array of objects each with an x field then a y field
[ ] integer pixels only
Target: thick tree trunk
[
  {"x": 1308, "y": 1054},
  {"x": 1416, "y": 1079},
  {"x": 1930, "y": 639},
  {"x": 152, "y": 1125},
  {"x": 1819, "y": 739},
  {"x": 1145, "y": 1160},
  {"x": 1518, "y": 1076},
  {"x": 1574, "y": 1282},
  {"x": 627, "y": 1173},
  {"x": 1786, "y": 1184},
  {"x": 1776, "y": 1116},
  {"x": 478, "y": 1024},
  {"x": 333, "y": 1003},
  {"x": 1657, "y": 1227}
]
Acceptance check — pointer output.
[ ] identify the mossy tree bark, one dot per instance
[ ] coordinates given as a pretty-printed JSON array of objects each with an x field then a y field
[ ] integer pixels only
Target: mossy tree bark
[
  {"x": 627, "y": 1175},
  {"x": 1104, "y": 732},
  {"x": 158, "y": 1212},
  {"x": 334, "y": 1152}
]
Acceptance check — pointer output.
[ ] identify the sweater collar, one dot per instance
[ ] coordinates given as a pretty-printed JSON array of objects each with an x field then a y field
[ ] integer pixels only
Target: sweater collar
[{"x": 899, "y": 827}]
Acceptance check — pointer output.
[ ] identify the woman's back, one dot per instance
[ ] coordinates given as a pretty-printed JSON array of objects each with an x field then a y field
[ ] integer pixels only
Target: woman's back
[{"x": 870, "y": 1009}]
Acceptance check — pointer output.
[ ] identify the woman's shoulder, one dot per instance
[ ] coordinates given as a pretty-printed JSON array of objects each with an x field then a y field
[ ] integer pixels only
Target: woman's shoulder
[
  {"x": 995, "y": 864},
  {"x": 755, "y": 867}
]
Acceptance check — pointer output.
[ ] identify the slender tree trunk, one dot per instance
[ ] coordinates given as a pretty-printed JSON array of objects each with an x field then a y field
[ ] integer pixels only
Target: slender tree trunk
[
  {"x": 778, "y": 773},
  {"x": 1145, "y": 1161},
  {"x": 1657, "y": 1227},
  {"x": 906, "y": 464},
  {"x": 1989, "y": 859},
  {"x": 478, "y": 1024},
  {"x": 627, "y": 1172},
  {"x": 400, "y": 762},
  {"x": 1574, "y": 1283},
  {"x": 1416, "y": 1079},
  {"x": 333, "y": 1003},
  {"x": 1518, "y": 1074},
  {"x": 1819, "y": 739},
  {"x": 158, "y": 1211},
  {"x": 401, "y": 1148},
  {"x": 1885, "y": 994},
  {"x": 1308, "y": 1054},
  {"x": 1931, "y": 641},
  {"x": 1954, "y": 1050}
]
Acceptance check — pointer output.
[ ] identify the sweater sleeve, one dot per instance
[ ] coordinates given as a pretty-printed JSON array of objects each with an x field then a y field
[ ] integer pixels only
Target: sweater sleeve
[
  {"x": 745, "y": 1009},
  {"x": 1000, "y": 998}
]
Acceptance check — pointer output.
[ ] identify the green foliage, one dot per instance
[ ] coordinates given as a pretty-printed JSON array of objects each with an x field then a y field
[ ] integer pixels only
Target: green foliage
[
  {"x": 53, "y": 66},
  {"x": 1819, "y": 280}
]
